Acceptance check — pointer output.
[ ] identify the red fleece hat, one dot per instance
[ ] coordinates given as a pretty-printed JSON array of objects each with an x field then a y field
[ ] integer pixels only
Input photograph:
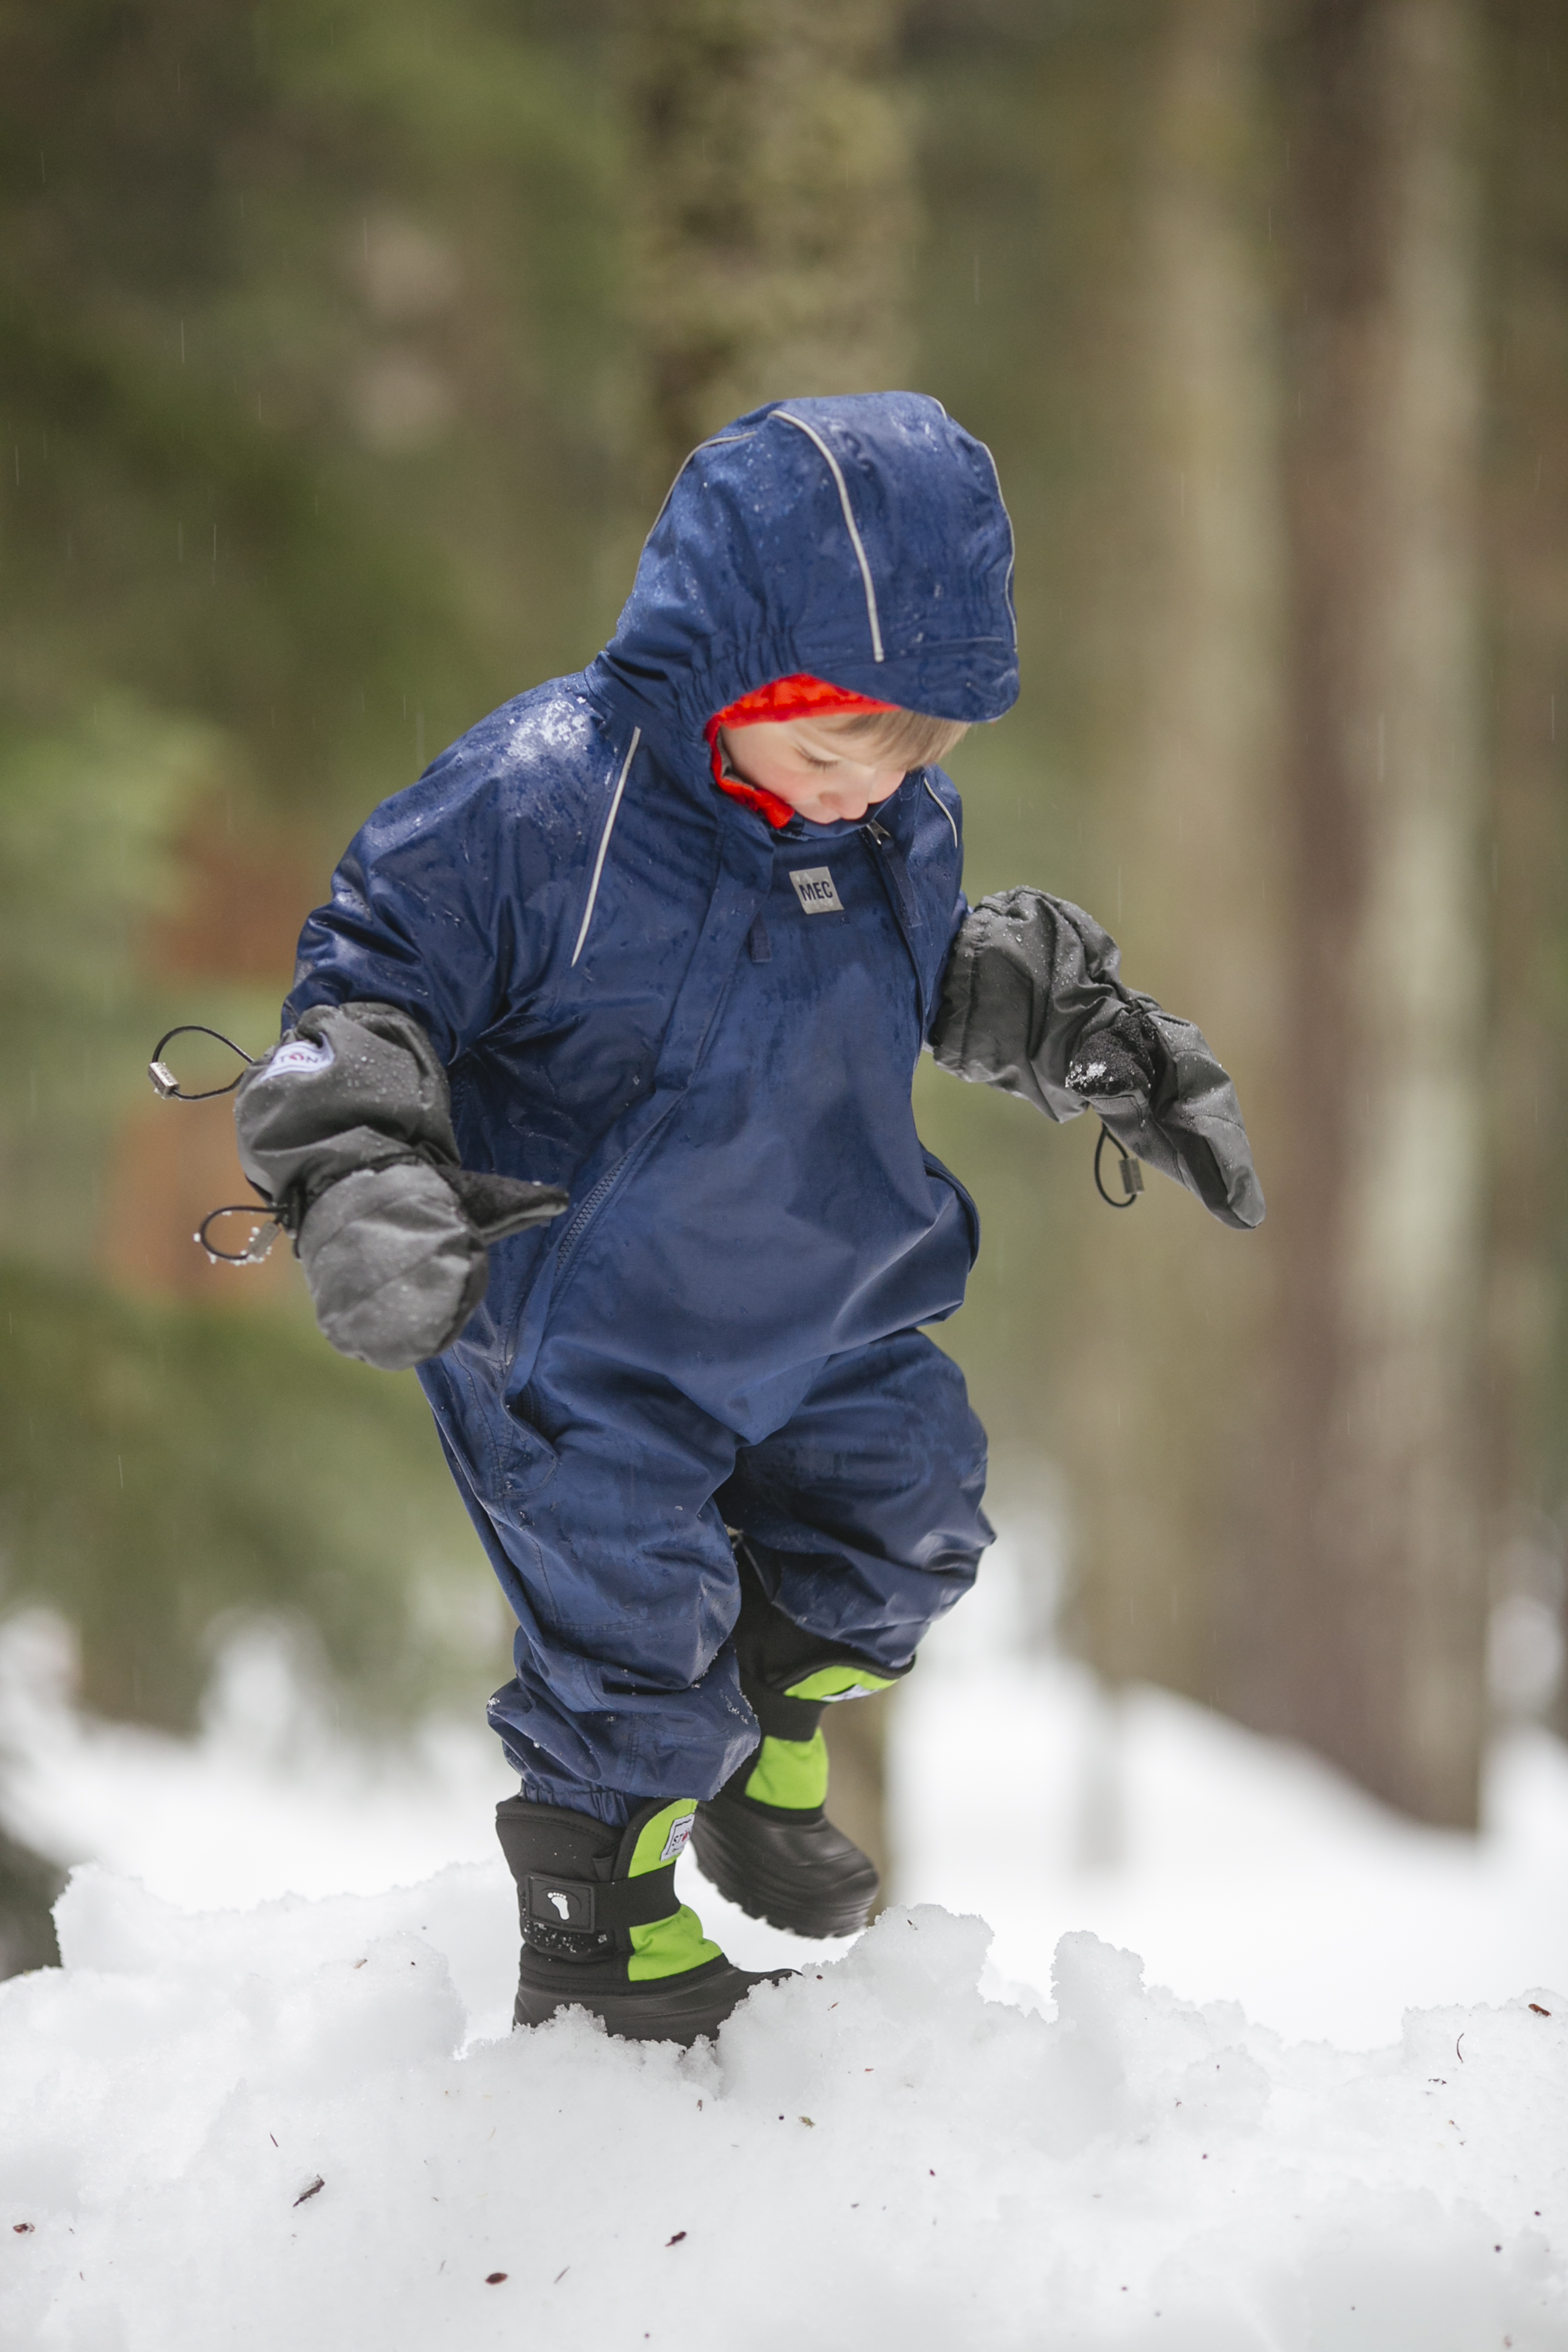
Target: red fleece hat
[{"x": 801, "y": 697}]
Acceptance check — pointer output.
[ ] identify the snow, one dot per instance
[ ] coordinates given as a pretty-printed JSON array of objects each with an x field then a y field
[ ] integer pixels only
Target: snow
[
  {"x": 271, "y": 1800},
  {"x": 290, "y": 1962},
  {"x": 1239, "y": 1867},
  {"x": 300, "y": 2125}
]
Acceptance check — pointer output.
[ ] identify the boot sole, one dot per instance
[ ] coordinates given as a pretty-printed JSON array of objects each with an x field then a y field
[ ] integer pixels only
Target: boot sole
[
  {"x": 666, "y": 2010},
  {"x": 731, "y": 1867}
]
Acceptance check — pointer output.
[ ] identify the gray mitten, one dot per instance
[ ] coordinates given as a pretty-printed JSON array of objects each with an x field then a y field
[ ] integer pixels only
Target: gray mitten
[
  {"x": 346, "y": 1129},
  {"x": 1033, "y": 1002}
]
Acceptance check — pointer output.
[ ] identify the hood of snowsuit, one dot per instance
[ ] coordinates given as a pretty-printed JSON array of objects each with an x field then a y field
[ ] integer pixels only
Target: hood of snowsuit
[{"x": 863, "y": 540}]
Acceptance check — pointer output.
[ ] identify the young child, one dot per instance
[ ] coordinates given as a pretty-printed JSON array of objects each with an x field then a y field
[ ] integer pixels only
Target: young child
[{"x": 594, "y": 1102}]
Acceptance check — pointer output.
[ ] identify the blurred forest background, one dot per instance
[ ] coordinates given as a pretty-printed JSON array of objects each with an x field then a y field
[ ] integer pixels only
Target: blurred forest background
[{"x": 346, "y": 347}]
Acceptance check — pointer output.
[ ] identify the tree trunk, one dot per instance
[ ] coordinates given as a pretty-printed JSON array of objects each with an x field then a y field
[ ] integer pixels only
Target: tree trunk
[
  {"x": 771, "y": 182},
  {"x": 772, "y": 179},
  {"x": 1528, "y": 549},
  {"x": 1178, "y": 1306},
  {"x": 29, "y": 1886},
  {"x": 1368, "y": 1640}
]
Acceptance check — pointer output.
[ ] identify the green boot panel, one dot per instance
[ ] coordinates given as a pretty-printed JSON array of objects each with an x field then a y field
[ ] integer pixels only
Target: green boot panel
[
  {"x": 791, "y": 1773},
  {"x": 666, "y": 1948}
]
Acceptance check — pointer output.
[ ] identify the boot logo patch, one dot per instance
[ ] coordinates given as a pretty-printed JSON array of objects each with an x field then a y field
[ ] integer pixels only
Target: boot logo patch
[
  {"x": 680, "y": 1830},
  {"x": 814, "y": 888},
  {"x": 570, "y": 1903}
]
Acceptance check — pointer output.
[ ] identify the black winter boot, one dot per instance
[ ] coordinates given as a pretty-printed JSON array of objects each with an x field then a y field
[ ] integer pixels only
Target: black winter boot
[
  {"x": 603, "y": 1929},
  {"x": 765, "y": 1840}
]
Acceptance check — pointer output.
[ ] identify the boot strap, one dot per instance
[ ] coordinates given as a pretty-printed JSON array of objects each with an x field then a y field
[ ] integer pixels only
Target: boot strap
[
  {"x": 780, "y": 1717},
  {"x": 584, "y": 1907}
]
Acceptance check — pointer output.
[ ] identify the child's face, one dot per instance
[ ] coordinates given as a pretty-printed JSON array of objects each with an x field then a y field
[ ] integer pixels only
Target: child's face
[{"x": 805, "y": 764}]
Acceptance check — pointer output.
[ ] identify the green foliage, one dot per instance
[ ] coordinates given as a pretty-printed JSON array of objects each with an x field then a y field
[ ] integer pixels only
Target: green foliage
[
  {"x": 88, "y": 820},
  {"x": 305, "y": 321},
  {"x": 164, "y": 1469}
]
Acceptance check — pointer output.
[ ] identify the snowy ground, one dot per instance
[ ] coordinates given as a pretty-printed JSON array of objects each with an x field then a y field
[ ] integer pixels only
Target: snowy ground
[
  {"x": 1129, "y": 2168},
  {"x": 253, "y": 2129},
  {"x": 1238, "y": 1868}
]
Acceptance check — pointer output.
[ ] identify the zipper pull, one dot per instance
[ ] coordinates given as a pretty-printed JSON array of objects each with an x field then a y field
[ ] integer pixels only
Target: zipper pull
[{"x": 883, "y": 841}]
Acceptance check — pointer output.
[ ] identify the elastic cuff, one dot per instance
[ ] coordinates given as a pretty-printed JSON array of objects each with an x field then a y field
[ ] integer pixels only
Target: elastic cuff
[
  {"x": 610, "y": 1806},
  {"x": 780, "y": 1717}
]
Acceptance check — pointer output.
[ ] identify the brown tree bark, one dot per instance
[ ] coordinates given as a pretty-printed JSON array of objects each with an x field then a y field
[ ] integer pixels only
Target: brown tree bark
[
  {"x": 771, "y": 188},
  {"x": 1368, "y": 1638},
  {"x": 1527, "y": 541},
  {"x": 30, "y": 1887}
]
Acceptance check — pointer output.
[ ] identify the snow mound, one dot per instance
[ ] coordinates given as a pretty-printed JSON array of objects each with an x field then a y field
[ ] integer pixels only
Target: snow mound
[{"x": 304, "y": 2124}]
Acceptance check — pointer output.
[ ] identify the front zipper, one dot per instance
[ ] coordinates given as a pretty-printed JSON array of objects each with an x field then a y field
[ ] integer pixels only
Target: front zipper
[
  {"x": 606, "y": 1185},
  {"x": 892, "y": 858},
  {"x": 590, "y": 1210},
  {"x": 888, "y": 860}
]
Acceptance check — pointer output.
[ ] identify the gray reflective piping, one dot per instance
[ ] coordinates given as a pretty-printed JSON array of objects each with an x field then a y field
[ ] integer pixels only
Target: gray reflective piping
[
  {"x": 604, "y": 841},
  {"x": 1012, "y": 558},
  {"x": 802, "y": 426},
  {"x": 716, "y": 441},
  {"x": 942, "y": 805}
]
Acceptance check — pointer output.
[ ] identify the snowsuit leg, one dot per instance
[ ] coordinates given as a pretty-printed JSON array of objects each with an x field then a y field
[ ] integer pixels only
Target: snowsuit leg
[
  {"x": 862, "y": 1513},
  {"x": 604, "y": 1514},
  {"x": 596, "y": 1510}
]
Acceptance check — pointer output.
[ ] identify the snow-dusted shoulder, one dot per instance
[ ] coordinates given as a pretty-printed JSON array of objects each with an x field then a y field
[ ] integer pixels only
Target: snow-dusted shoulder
[{"x": 460, "y": 894}]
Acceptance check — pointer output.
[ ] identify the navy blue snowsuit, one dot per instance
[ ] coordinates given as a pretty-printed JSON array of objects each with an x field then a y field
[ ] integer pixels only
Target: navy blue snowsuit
[{"x": 637, "y": 997}]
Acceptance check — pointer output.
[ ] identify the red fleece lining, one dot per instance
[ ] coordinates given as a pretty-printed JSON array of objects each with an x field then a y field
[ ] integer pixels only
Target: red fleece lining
[{"x": 797, "y": 697}]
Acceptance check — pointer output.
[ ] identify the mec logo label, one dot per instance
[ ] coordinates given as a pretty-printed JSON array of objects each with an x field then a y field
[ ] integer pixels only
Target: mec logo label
[{"x": 814, "y": 888}]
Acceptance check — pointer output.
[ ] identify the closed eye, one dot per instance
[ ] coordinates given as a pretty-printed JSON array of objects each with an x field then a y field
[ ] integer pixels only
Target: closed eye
[{"x": 821, "y": 766}]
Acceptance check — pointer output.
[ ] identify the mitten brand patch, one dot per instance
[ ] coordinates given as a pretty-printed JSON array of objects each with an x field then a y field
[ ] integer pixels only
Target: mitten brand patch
[
  {"x": 814, "y": 888},
  {"x": 300, "y": 1055},
  {"x": 680, "y": 1830}
]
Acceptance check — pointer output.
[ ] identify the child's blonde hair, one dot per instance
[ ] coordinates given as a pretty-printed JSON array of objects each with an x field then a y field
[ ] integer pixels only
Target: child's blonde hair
[{"x": 902, "y": 739}]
